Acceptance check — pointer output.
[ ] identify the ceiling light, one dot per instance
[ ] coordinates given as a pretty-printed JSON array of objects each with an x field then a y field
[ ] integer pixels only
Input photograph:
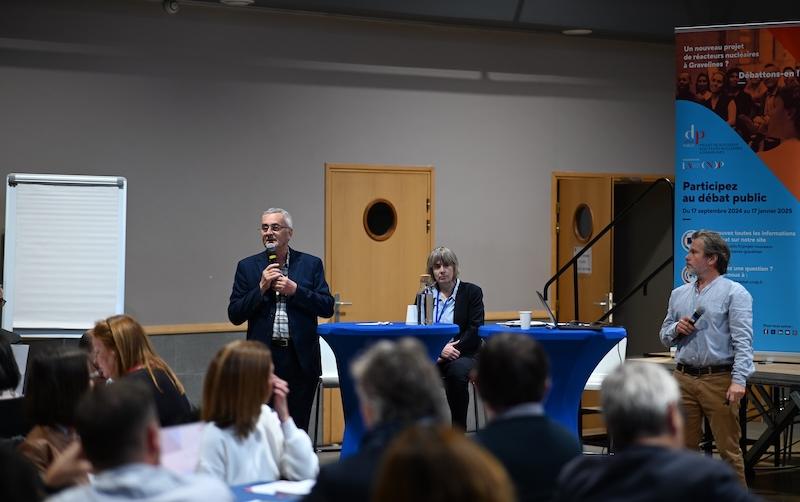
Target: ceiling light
[{"x": 237, "y": 3}]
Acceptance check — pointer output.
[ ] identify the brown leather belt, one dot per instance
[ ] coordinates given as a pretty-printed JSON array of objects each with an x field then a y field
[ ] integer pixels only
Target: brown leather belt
[{"x": 704, "y": 370}]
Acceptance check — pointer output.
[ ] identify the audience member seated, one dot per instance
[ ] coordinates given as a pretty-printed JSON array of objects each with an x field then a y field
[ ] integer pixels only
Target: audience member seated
[
  {"x": 436, "y": 463},
  {"x": 19, "y": 481},
  {"x": 641, "y": 407},
  {"x": 57, "y": 379},
  {"x": 13, "y": 423},
  {"x": 397, "y": 386},
  {"x": 122, "y": 350},
  {"x": 85, "y": 344},
  {"x": 246, "y": 440},
  {"x": 119, "y": 430},
  {"x": 512, "y": 379}
]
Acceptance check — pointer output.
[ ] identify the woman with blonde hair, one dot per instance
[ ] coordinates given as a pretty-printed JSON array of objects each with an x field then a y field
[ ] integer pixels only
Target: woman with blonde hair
[
  {"x": 246, "y": 440},
  {"x": 437, "y": 464},
  {"x": 122, "y": 350}
]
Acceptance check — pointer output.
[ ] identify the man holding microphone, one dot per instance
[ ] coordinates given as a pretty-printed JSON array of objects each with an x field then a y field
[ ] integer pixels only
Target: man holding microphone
[
  {"x": 710, "y": 321},
  {"x": 280, "y": 292}
]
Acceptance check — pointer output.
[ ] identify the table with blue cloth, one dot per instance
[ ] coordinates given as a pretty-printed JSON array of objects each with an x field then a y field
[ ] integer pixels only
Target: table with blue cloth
[
  {"x": 573, "y": 354},
  {"x": 347, "y": 340}
]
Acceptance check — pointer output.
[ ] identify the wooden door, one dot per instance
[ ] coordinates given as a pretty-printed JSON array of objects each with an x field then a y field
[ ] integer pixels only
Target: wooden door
[
  {"x": 378, "y": 233},
  {"x": 583, "y": 208}
]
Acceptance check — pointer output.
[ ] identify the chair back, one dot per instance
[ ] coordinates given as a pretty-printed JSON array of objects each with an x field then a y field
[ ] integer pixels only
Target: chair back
[
  {"x": 610, "y": 361},
  {"x": 330, "y": 373}
]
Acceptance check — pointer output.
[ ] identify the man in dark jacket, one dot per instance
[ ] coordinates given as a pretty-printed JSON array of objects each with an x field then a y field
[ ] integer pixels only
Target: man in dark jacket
[
  {"x": 280, "y": 292},
  {"x": 641, "y": 406},
  {"x": 512, "y": 378}
]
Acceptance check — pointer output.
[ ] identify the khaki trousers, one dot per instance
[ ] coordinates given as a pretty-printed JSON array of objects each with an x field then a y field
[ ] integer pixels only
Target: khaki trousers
[{"x": 704, "y": 395}]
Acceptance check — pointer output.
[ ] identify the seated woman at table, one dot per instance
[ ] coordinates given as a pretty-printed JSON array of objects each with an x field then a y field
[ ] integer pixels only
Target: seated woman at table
[
  {"x": 245, "y": 440},
  {"x": 122, "y": 350},
  {"x": 456, "y": 302}
]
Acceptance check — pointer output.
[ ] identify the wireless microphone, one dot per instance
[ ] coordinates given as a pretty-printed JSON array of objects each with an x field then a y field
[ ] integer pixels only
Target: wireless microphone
[
  {"x": 272, "y": 256},
  {"x": 699, "y": 311}
]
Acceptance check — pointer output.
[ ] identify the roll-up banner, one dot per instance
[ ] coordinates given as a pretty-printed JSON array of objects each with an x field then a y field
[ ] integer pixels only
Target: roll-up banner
[{"x": 738, "y": 163}]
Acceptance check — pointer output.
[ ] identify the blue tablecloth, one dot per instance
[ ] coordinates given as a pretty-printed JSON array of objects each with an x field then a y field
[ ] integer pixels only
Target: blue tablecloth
[
  {"x": 573, "y": 356},
  {"x": 349, "y": 339}
]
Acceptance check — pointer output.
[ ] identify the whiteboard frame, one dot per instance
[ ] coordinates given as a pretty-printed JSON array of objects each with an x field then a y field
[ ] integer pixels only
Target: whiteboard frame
[{"x": 10, "y": 258}]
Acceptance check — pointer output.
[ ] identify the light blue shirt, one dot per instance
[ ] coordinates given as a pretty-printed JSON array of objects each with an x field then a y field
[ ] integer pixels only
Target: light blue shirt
[
  {"x": 724, "y": 333},
  {"x": 143, "y": 482},
  {"x": 443, "y": 308}
]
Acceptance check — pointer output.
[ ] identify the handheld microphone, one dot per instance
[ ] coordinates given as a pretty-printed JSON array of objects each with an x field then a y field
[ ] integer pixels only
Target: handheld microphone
[
  {"x": 699, "y": 311},
  {"x": 272, "y": 255}
]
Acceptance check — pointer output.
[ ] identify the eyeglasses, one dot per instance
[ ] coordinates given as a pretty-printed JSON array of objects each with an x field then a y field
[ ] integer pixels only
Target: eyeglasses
[{"x": 275, "y": 227}]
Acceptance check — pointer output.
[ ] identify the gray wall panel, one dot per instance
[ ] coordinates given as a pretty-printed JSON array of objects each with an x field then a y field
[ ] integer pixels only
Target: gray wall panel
[{"x": 215, "y": 114}]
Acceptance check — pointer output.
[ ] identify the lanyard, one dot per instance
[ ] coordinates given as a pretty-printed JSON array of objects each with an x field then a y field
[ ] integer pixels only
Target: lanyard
[{"x": 439, "y": 313}]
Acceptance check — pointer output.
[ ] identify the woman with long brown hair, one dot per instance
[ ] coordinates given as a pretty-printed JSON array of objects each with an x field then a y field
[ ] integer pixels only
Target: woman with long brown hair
[
  {"x": 122, "y": 350},
  {"x": 246, "y": 440}
]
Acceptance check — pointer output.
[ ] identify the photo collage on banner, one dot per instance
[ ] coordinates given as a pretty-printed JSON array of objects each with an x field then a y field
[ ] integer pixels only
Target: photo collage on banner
[{"x": 738, "y": 163}]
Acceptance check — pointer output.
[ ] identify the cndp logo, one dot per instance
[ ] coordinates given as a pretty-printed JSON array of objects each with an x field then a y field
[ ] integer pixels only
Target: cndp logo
[
  {"x": 687, "y": 275},
  {"x": 686, "y": 240},
  {"x": 687, "y": 164},
  {"x": 693, "y": 135}
]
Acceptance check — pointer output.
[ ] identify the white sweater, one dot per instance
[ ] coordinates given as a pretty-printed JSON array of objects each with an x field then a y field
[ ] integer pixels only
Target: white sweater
[{"x": 273, "y": 451}]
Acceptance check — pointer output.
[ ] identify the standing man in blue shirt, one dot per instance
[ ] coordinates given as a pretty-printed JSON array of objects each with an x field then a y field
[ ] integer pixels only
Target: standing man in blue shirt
[
  {"x": 710, "y": 321},
  {"x": 281, "y": 293}
]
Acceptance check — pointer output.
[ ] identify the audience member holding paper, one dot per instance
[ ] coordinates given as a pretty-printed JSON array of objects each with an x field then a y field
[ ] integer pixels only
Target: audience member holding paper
[
  {"x": 245, "y": 440},
  {"x": 456, "y": 302}
]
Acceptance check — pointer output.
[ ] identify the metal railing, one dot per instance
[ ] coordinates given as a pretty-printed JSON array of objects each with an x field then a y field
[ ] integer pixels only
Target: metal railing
[{"x": 643, "y": 284}]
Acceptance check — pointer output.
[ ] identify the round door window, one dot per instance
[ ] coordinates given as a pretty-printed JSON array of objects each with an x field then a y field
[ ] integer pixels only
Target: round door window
[
  {"x": 583, "y": 223},
  {"x": 380, "y": 219}
]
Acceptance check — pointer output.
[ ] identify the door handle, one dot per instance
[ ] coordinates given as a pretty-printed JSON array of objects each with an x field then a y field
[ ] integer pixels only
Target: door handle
[
  {"x": 337, "y": 304},
  {"x": 607, "y": 304}
]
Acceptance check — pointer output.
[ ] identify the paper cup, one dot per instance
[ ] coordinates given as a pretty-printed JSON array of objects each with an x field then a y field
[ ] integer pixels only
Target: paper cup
[
  {"x": 411, "y": 314},
  {"x": 525, "y": 319}
]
